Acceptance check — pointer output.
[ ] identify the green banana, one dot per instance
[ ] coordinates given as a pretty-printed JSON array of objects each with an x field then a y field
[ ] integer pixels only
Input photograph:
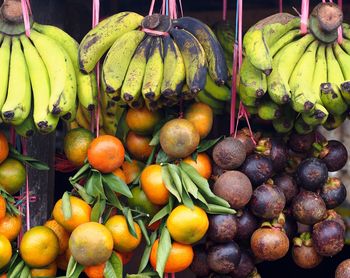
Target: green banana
[
  {"x": 5, "y": 52},
  {"x": 118, "y": 59},
  {"x": 18, "y": 102},
  {"x": 137, "y": 103},
  {"x": 284, "y": 40},
  {"x": 284, "y": 124},
  {"x": 212, "y": 102},
  {"x": 86, "y": 83},
  {"x": 346, "y": 32},
  {"x": 214, "y": 53},
  {"x": 27, "y": 127},
  {"x": 111, "y": 114},
  {"x": 317, "y": 116},
  {"x": 152, "y": 80},
  {"x": 174, "y": 69},
  {"x": 132, "y": 84},
  {"x": 186, "y": 93},
  {"x": 116, "y": 96},
  {"x": 194, "y": 59},
  {"x": 221, "y": 93},
  {"x": 334, "y": 71},
  {"x": 40, "y": 81},
  {"x": 334, "y": 121},
  {"x": 344, "y": 61},
  {"x": 268, "y": 110},
  {"x": 332, "y": 98},
  {"x": 224, "y": 31},
  {"x": 98, "y": 40},
  {"x": 301, "y": 127},
  {"x": 252, "y": 82},
  {"x": 320, "y": 72},
  {"x": 248, "y": 101},
  {"x": 229, "y": 63},
  {"x": 300, "y": 82},
  {"x": 346, "y": 45}
]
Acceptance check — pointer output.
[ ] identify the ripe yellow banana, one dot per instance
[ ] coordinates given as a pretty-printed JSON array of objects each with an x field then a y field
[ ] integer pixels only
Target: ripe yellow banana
[
  {"x": 344, "y": 61},
  {"x": 5, "y": 52},
  {"x": 111, "y": 114},
  {"x": 334, "y": 72},
  {"x": 320, "y": 73},
  {"x": 82, "y": 121}
]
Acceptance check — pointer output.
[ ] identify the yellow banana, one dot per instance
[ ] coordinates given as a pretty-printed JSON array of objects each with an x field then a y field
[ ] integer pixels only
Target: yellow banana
[
  {"x": 81, "y": 119},
  {"x": 111, "y": 114},
  {"x": 252, "y": 82},
  {"x": 5, "y": 52},
  {"x": 320, "y": 73}
]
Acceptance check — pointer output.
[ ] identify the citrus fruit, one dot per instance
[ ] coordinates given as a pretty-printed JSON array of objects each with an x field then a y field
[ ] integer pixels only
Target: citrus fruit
[
  {"x": 131, "y": 170},
  {"x": 142, "y": 121},
  {"x": 91, "y": 244},
  {"x": 6, "y": 251},
  {"x": 10, "y": 226},
  {"x": 153, "y": 186},
  {"x": 124, "y": 241},
  {"x": 4, "y": 147},
  {"x": 120, "y": 174},
  {"x": 180, "y": 257},
  {"x": 62, "y": 262},
  {"x": 125, "y": 256},
  {"x": 81, "y": 212},
  {"x": 47, "y": 271},
  {"x": 138, "y": 146},
  {"x": 95, "y": 271},
  {"x": 106, "y": 153},
  {"x": 179, "y": 138},
  {"x": 12, "y": 175},
  {"x": 187, "y": 225},
  {"x": 140, "y": 202},
  {"x": 201, "y": 116},
  {"x": 39, "y": 247},
  {"x": 3, "y": 275},
  {"x": 2, "y": 208},
  {"x": 61, "y": 233},
  {"x": 202, "y": 164}
]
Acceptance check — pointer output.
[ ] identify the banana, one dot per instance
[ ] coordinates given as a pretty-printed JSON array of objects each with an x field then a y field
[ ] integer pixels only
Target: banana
[
  {"x": 111, "y": 114},
  {"x": 100, "y": 39},
  {"x": 268, "y": 110},
  {"x": 151, "y": 104},
  {"x": 317, "y": 116},
  {"x": 186, "y": 93},
  {"x": 320, "y": 72},
  {"x": 217, "y": 68},
  {"x": 346, "y": 32},
  {"x": 285, "y": 123},
  {"x": 334, "y": 121},
  {"x": 18, "y": 102},
  {"x": 252, "y": 82},
  {"x": 116, "y": 96},
  {"x": 27, "y": 127},
  {"x": 334, "y": 71},
  {"x": 344, "y": 61},
  {"x": 137, "y": 103},
  {"x": 332, "y": 98},
  {"x": 86, "y": 83},
  {"x": 81, "y": 120},
  {"x": 118, "y": 59},
  {"x": 132, "y": 84},
  {"x": 346, "y": 45},
  {"x": 5, "y": 52},
  {"x": 221, "y": 93},
  {"x": 224, "y": 31},
  {"x": 283, "y": 66},
  {"x": 284, "y": 40},
  {"x": 300, "y": 82},
  {"x": 229, "y": 63},
  {"x": 88, "y": 115},
  {"x": 248, "y": 101},
  {"x": 301, "y": 127},
  {"x": 152, "y": 80},
  {"x": 194, "y": 59},
  {"x": 212, "y": 102},
  {"x": 174, "y": 69}
]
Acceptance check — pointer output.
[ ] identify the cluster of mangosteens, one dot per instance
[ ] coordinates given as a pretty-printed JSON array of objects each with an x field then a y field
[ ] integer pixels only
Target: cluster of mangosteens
[{"x": 284, "y": 198}]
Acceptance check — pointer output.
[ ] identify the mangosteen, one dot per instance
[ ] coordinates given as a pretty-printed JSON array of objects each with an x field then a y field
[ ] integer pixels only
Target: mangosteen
[
  {"x": 257, "y": 168},
  {"x": 229, "y": 153},
  {"x": 216, "y": 172},
  {"x": 328, "y": 238},
  {"x": 308, "y": 208},
  {"x": 288, "y": 185},
  {"x": 245, "y": 266},
  {"x": 333, "y": 215},
  {"x": 333, "y": 193},
  {"x": 304, "y": 253},
  {"x": 199, "y": 264},
  {"x": 247, "y": 223},
  {"x": 222, "y": 227},
  {"x": 334, "y": 155},
  {"x": 276, "y": 150},
  {"x": 224, "y": 258},
  {"x": 234, "y": 187},
  {"x": 343, "y": 269},
  {"x": 267, "y": 201},
  {"x": 301, "y": 143},
  {"x": 244, "y": 136},
  {"x": 290, "y": 227},
  {"x": 217, "y": 275},
  {"x": 311, "y": 174},
  {"x": 269, "y": 243}
]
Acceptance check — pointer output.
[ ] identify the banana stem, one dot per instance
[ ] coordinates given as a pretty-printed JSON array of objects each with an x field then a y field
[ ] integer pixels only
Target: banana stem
[{"x": 11, "y": 10}]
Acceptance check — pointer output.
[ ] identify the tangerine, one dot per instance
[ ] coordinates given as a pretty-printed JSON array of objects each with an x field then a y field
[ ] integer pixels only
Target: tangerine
[
  {"x": 131, "y": 170},
  {"x": 61, "y": 233},
  {"x": 10, "y": 226},
  {"x": 202, "y": 164},
  {"x": 95, "y": 271},
  {"x": 2, "y": 208},
  {"x": 120, "y": 174},
  {"x": 201, "y": 116},
  {"x": 142, "y": 121},
  {"x": 47, "y": 271},
  {"x": 138, "y": 146},
  {"x": 4, "y": 147},
  {"x": 140, "y": 202},
  {"x": 12, "y": 175},
  {"x": 6, "y": 251}
]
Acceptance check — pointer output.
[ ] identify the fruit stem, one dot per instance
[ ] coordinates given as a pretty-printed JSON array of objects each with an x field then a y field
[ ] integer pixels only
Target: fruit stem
[{"x": 11, "y": 10}]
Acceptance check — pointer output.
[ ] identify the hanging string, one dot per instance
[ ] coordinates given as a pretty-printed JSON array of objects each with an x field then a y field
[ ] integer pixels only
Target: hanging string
[
  {"x": 27, "y": 193},
  {"x": 224, "y": 10},
  {"x": 304, "y": 16},
  {"x": 95, "y": 21},
  {"x": 181, "y": 10},
  {"x": 152, "y": 7},
  {"x": 26, "y": 9},
  {"x": 340, "y": 28},
  {"x": 281, "y": 6}
]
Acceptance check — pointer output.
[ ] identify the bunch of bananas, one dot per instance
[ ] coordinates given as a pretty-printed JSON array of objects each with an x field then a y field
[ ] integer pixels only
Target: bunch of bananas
[
  {"x": 43, "y": 67},
  {"x": 293, "y": 79},
  {"x": 156, "y": 61}
]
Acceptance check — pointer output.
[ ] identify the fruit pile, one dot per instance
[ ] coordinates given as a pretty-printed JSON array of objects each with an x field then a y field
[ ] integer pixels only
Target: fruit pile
[
  {"x": 284, "y": 199},
  {"x": 294, "y": 79}
]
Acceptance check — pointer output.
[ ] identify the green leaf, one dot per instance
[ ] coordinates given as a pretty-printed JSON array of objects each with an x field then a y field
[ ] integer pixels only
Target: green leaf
[
  {"x": 116, "y": 184},
  {"x": 81, "y": 173},
  {"x": 174, "y": 173},
  {"x": 163, "y": 212},
  {"x": 147, "y": 253},
  {"x": 93, "y": 184},
  {"x": 144, "y": 230},
  {"x": 98, "y": 209},
  {"x": 117, "y": 265},
  {"x": 66, "y": 206},
  {"x": 123, "y": 129},
  {"x": 83, "y": 194},
  {"x": 162, "y": 157},
  {"x": 127, "y": 157},
  {"x": 186, "y": 199},
  {"x": 205, "y": 204},
  {"x": 189, "y": 185},
  {"x": 155, "y": 139},
  {"x": 151, "y": 157},
  {"x": 168, "y": 182},
  {"x": 207, "y": 144},
  {"x": 215, "y": 209},
  {"x": 78, "y": 270},
  {"x": 194, "y": 156},
  {"x": 112, "y": 198},
  {"x": 143, "y": 275},
  {"x": 130, "y": 221},
  {"x": 72, "y": 264},
  {"x": 163, "y": 251},
  {"x": 29, "y": 161}
]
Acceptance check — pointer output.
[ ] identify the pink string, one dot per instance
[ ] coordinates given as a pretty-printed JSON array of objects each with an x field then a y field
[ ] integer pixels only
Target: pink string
[
  {"x": 234, "y": 90},
  {"x": 27, "y": 193},
  {"x": 151, "y": 8},
  {"x": 163, "y": 7},
  {"x": 224, "y": 10},
  {"x": 304, "y": 16},
  {"x": 281, "y": 6},
  {"x": 173, "y": 275},
  {"x": 181, "y": 10},
  {"x": 95, "y": 21},
  {"x": 25, "y": 12},
  {"x": 240, "y": 30},
  {"x": 340, "y": 28}
]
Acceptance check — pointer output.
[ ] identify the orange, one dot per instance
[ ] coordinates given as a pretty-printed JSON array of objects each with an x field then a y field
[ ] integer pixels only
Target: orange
[
  {"x": 12, "y": 175},
  {"x": 131, "y": 170},
  {"x": 6, "y": 251},
  {"x": 10, "y": 226},
  {"x": 81, "y": 212},
  {"x": 106, "y": 153},
  {"x": 120, "y": 174},
  {"x": 201, "y": 116},
  {"x": 153, "y": 185},
  {"x": 179, "y": 259},
  {"x": 138, "y": 146},
  {"x": 61, "y": 233},
  {"x": 202, "y": 164},
  {"x": 125, "y": 257},
  {"x": 3, "y": 276},
  {"x": 62, "y": 262},
  {"x": 39, "y": 247},
  {"x": 2, "y": 208},
  {"x": 91, "y": 244},
  {"x": 47, "y": 271},
  {"x": 142, "y": 121},
  {"x": 187, "y": 225},
  {"x": 124, "y": 241},
  {"x": 4, "y": 147},
  {"x": 75, "y": 145},
  {"x": 95, "y": 271}
]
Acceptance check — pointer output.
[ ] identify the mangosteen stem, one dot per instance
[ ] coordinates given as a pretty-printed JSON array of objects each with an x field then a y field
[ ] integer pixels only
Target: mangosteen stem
[{"x": 297, "y": 241}]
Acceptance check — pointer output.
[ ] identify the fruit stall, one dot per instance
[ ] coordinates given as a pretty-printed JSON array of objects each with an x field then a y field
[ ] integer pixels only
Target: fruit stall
[{"x": 174, "y": 138}]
